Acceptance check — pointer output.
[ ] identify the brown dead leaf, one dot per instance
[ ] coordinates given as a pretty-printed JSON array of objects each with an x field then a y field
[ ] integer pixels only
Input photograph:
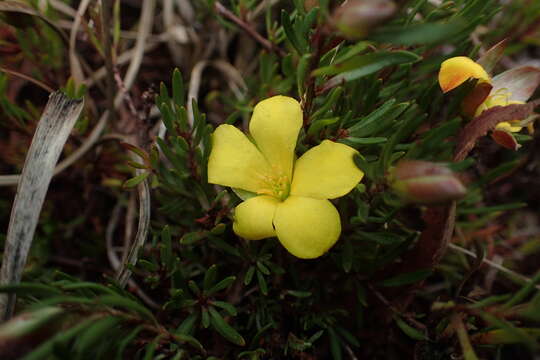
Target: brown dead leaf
[
  {"x": 487, "y": 121},
  {"x": 475, "y": 98}
]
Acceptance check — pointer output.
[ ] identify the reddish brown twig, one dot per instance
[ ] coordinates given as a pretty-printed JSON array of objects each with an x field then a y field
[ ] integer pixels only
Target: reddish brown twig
[{"x": 223, "y": 11}]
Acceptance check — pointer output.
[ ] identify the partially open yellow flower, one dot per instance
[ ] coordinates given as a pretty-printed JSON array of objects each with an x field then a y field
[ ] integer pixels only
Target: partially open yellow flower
[
  {"x": 455, "y": 71},
  {"x": 513, "y": 86},
  {"x": 292, "y": 196}
]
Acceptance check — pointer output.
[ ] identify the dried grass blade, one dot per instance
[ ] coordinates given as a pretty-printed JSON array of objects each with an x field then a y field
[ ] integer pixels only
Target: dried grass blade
[
  {"x": 51, "y": 134},
  {"x": 142, "y": 232}
]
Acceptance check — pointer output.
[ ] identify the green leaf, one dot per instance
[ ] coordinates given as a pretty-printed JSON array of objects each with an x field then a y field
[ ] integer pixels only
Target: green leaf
[
  {"x": 262, "y": 283},
  {"x": 517, "y": 334},
  {"x": 262, "y": 268},
  {"x": 210, "y": 277},
  {"x": 243, "y": 194},
  {"x": 184, "y": 338},
  {"x": 187, "y": 325},
  {"x": 46, "y": 348},
  {"x": 225, "y": 306},
  {"x": 130, "y": 183},
  {"x": 24, "y": 288},
  {"x": 205, "y": 318},
  {"x": 364, "y": 65},
  {"x": 301, "y": 73},
  {"x": 249, "y": 275},
  {"x": 355, "y": 141},
  {"x": 409, "y": 330},
  {"x": 89, "y": 285},
  {"x": 95, "y": 333},
  {"x": 522, "y": 293},
  {"x": 223, "y": 284},
  {"x": 115, "y": 300},
  {"x": 404, "y": 279},
  {"x": 330, "y": 101},
  {"x": 427, "y": 33},
  {"x": 378, "y": 120},
  {"x": 318, "y": 125},
  {"x": 299, "y": 294},
  {"x": 335, "y": 345},
  {"x": 289, "y": 32},
  {"x": 491, "y": 209},
  {"x": 225, "y": 329},
  {"x": 126, "y": 340},
  {"x": 193, "y": 237},
  {"x": 178, "y": 87},
  {"x": 384, "y": 238}
]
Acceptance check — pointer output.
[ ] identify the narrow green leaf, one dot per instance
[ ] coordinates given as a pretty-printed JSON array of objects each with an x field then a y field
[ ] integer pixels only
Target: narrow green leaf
[
  {"x": 187, "y": 325},
  {"x": 130, "y": 183},
  {"x": 404, "y": 279},
  {"x": 223, "y": 284},
  {"x": 126, "y": 340},
  {"x": 249, "y": 275},
  {"x": 46, "y": 348},
  {"x": 335, "y": 345},
  {"x": 318, "y": 125},
  {"x": 225, "y": 329},
  {"x": 262, "y": 283},
  {"x": 365, "y": 65},
  {"x": 226, "y": 306},
  {"x": 178, "y": 87},
  {"x": 205, "y": 318},
  {"x": 355, "y": 141},
  {"x": 94, "y": 333},
  {"x": 210, "y": 277},
  {"x": 89, "y": 285},
  {"x": 115, "y": 300},
  {"x": 409, "y": 330},
  {"x": 289, "y": 32},
  {"x": 25, "y": 288},
  {"x": 184, "y": 338},
  {"x": 427, "y": 33}
]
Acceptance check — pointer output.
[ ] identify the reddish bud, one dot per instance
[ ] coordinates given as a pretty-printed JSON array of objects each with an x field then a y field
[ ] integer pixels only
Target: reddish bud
[
  {"x": 425, "y": 182},
  {"x": 355, "y": 18}
]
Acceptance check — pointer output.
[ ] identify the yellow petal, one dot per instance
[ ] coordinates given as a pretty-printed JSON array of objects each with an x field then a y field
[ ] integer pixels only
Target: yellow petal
[
  {"x": 507, "y": 126},
  {"x": 234, "y": 161},
  {"x": 253, "y": 218},
  {"x": 307, "y": 227},
  {"x": 274, "y": 126},
  {"x": 326, "y": 171},
  {"x": 455, "y": 71}
]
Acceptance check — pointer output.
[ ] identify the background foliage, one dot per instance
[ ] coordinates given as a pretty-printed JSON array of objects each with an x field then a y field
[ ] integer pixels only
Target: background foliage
[{"x": 199, "y": 292}]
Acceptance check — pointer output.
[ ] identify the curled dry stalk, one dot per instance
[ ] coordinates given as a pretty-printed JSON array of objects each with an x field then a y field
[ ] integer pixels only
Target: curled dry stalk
[
  {"x": 51, "y": 134},
  {"x": 143, "y": 189}
]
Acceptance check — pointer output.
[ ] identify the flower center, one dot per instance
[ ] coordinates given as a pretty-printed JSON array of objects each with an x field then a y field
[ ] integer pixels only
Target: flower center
[{"x": 276, "y": 185}]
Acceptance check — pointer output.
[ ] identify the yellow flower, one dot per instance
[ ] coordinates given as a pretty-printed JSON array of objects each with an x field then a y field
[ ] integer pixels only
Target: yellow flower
[
  {"x": 514, "y": 86},
  {"x": 291, "y": 199}
]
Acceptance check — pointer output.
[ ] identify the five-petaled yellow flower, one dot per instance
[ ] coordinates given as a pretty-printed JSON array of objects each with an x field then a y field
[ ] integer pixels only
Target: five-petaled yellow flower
[
  {"x": 291, "y": 199},
  {"x": 514, "y": 86}
]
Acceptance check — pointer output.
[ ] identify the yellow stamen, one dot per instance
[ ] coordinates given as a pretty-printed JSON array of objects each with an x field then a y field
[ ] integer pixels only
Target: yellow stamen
[{"x": 276, "y": 185}]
